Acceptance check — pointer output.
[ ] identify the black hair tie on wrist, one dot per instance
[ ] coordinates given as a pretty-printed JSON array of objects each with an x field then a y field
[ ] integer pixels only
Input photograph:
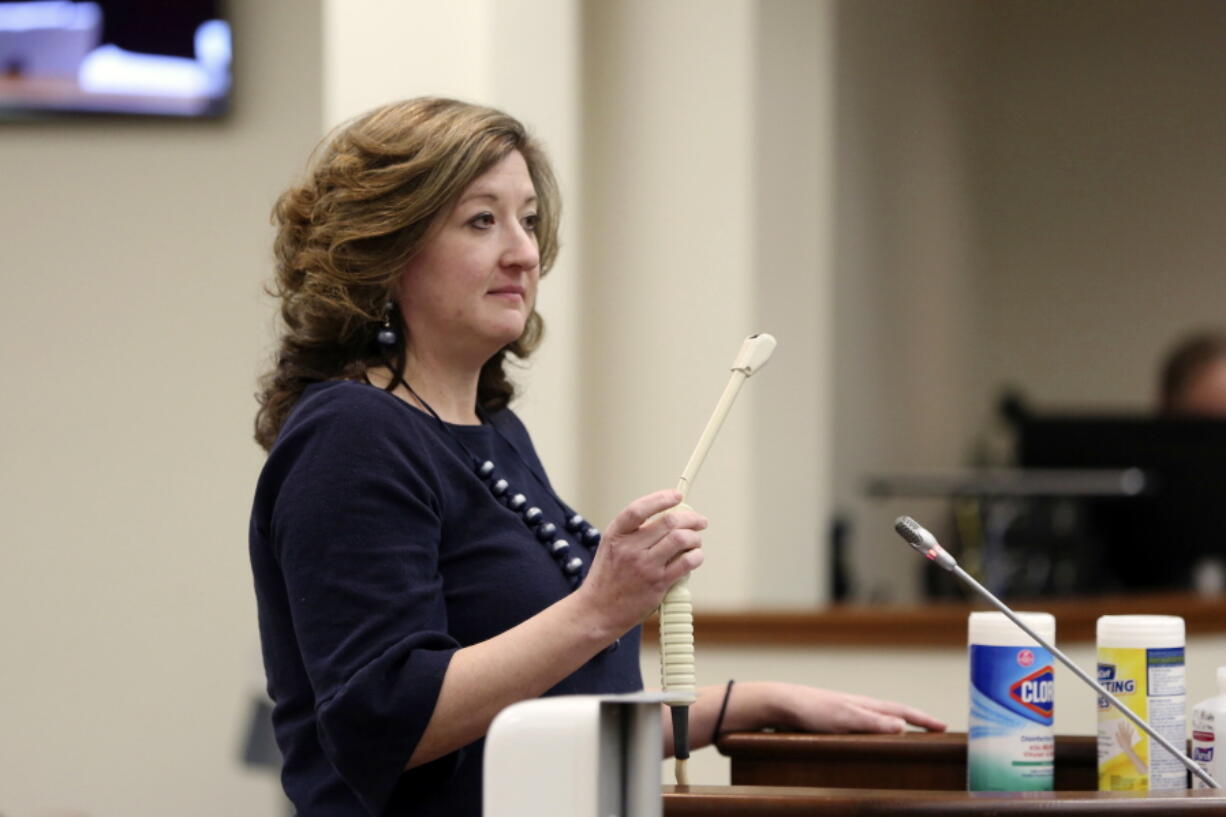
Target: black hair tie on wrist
[{"x": 723, "y": 710}]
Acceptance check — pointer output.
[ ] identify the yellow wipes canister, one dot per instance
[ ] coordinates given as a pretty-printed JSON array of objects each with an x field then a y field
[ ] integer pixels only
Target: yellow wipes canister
[{"x": 1141, "y": 662}]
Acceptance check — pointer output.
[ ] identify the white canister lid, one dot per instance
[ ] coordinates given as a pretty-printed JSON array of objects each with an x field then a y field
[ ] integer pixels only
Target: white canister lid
[
  {"x": 1140, "y": 631},
  {"x": 996, "y": 629}
]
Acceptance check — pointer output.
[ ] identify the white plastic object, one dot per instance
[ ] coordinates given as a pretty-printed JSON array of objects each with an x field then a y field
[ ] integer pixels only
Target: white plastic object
[
  {"x": 677, "y": 677},
  {"x": 996, "y": 630},
  {"x": 1208, "y": 732},
  {"x": 1140, "y": 631},
  {"x": 753, "y": 354},
  {"x": 575, "y": 754},
  {"x": 755, "y": 351}
]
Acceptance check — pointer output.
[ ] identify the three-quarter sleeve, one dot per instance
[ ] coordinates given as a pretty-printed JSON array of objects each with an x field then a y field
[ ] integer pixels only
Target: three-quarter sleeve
[{"x": 355, "y": 530}]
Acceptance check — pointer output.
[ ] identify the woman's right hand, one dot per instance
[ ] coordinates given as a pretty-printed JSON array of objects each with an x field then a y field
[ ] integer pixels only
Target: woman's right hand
[{"x": 649, "y": 546}]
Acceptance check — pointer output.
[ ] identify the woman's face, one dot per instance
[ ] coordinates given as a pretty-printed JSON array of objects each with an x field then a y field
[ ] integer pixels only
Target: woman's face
[{"x": 470, "y": 289}]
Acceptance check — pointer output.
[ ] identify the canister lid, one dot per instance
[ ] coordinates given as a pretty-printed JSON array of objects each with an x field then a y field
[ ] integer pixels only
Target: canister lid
[
  {"x": 996, "y": 629},
  {"x": 1140, "y": 631}
]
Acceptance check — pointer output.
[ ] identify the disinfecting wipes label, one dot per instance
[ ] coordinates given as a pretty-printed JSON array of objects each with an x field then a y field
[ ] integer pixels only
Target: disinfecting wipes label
[
  {"x": 1150, "y": 682},
  {"x": 1010, "y": 745}
]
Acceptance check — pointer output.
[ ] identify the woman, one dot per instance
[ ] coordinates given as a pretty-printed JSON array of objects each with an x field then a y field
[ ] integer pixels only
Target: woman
[{"x": 415, "y": 572}]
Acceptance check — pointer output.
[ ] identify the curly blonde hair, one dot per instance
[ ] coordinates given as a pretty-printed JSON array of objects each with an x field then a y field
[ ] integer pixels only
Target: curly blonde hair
[{"x": 345, "y": 233}]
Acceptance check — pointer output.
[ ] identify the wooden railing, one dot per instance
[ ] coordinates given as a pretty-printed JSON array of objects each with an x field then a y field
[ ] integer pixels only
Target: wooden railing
[{"x": 936, "y": 624}]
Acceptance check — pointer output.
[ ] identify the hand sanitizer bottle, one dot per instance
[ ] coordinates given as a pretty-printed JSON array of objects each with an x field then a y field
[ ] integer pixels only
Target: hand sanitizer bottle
[{"x": 1208, "y": 733}]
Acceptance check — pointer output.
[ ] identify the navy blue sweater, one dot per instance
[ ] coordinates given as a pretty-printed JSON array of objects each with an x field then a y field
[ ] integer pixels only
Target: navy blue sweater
[{"x": 377, "y": 553}]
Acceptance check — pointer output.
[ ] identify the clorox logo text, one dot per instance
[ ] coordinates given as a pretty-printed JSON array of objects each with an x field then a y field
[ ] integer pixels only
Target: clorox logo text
[{"x": 1036, "y": 692}]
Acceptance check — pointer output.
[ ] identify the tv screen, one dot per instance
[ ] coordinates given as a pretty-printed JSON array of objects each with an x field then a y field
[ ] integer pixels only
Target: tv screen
[
  {"x": 1157, "y": 539},
  {"x": 141, "y": 57}
]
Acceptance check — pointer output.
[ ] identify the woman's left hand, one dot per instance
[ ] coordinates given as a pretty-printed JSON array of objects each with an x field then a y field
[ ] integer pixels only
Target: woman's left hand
[
  {"x": 755, "y": 705},
  {"x": 811, "y": 709},
  {"x": 824, "y": 710}
]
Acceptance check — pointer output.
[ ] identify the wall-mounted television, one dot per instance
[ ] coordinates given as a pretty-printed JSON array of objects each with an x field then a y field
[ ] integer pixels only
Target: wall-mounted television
[{"x": 128, "y": 57}]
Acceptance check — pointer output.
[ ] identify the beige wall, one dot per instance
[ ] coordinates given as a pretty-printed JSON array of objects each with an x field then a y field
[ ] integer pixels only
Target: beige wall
[
  {"x": 134, "y": 326},
  {"x": 668, "y": 249},
  {"x": 1101, "y": 128},
  {"x": 701, "y": 228},
  {"x": 1030, "y": 194},
  {"x": 792, "y": 431},
  {"x": 907, "y": 328}
]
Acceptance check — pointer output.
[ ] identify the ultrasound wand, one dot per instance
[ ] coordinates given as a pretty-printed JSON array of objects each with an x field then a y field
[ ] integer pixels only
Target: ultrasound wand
[{"x": 676, "y": 610}]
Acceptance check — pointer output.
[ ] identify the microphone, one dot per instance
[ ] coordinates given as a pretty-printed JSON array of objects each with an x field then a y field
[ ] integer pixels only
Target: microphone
[
  {"x": 924, "y": 542},
  {"x": 919, "y": 538}
]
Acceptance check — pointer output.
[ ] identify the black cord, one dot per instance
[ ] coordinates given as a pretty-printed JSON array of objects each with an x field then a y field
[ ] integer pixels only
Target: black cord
[
  {"x": 681, "y": 731},
  {"x": 723, "y": 710}
]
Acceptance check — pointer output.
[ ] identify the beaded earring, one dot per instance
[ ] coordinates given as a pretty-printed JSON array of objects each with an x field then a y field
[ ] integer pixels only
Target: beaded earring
[{"x": 387, "y": 335}]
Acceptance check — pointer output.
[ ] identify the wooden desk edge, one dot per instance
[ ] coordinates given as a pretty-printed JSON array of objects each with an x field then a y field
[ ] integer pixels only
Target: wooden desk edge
[
  {"x": 781, "y": 745},
  {"x": 774, "y": 801}
]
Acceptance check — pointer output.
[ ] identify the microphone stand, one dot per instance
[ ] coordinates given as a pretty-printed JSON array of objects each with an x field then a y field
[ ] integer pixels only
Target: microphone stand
[{"x": 924, "y": 542}]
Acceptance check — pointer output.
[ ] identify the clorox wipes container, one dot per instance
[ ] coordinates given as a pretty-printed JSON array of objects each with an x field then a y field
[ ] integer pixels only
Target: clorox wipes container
[
  {"x": 1140, "y": 661},
  {"x": 1009, "y": 744}
]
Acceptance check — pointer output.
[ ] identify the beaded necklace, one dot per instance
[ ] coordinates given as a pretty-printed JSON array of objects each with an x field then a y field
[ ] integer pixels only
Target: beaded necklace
[{"x": 571, "y": 564}]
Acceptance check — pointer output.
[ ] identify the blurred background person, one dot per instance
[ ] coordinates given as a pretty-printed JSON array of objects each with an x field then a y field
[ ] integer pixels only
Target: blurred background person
[{"x": 1193, "y": 379}]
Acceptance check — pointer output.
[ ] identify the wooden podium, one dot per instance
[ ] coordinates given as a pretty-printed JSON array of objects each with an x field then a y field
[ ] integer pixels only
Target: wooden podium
[{"x": 916, "y": 773}]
